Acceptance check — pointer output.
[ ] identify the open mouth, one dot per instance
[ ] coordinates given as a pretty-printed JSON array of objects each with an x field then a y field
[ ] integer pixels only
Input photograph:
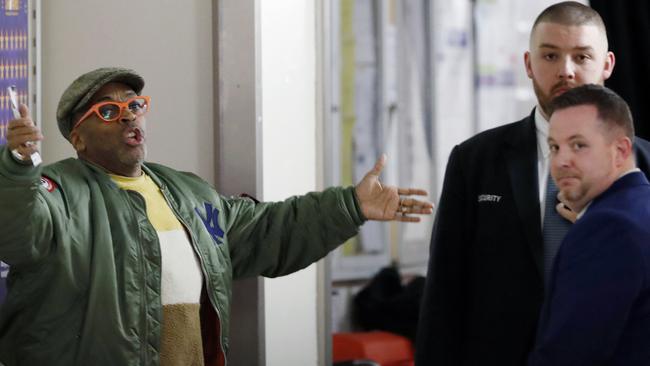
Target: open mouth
[{"x": 134, "y": 137}]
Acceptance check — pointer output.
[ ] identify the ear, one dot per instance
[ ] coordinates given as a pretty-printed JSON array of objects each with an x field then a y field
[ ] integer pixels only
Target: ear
[
  {"x": 610, "y": 60},
  {"x": 623, "y": 150},
  {"x": 77, "y": 141},
  {"x": 527, "y": 64}
]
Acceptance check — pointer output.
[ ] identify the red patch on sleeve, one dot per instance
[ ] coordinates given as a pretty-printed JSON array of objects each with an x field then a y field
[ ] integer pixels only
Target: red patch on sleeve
[{"x": 48, "y": 184}]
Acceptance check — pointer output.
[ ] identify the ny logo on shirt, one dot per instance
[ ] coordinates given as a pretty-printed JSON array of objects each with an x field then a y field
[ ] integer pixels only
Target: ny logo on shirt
[{"x": 211, "y": 222}]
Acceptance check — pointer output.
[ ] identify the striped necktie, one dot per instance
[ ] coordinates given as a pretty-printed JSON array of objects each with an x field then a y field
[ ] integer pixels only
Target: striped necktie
[{"x": 554, "y": 230}]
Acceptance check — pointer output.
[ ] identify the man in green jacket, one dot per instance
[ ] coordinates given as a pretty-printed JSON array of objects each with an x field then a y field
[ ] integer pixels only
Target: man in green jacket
[{"x": 115, "y": 261}]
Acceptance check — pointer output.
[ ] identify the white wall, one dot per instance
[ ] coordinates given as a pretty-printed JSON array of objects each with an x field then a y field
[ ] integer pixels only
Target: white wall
[
  {"x": 169, "y": 42},
  {"x": 289, "y": 165}
]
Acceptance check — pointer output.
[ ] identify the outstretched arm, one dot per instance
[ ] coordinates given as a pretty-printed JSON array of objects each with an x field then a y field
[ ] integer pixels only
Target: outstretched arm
[{"x": 277, "y": 238}]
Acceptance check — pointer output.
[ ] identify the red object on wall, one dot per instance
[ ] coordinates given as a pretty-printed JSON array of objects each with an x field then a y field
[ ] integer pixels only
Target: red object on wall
[{"x": 385, "y": 348}]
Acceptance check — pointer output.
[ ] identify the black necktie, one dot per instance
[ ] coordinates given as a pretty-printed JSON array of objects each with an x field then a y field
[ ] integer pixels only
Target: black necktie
[{"x": 554, "y": 230}]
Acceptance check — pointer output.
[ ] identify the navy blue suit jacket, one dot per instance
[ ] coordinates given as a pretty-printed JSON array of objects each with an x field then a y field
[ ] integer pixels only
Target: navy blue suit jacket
[{"x": 598, "y": 308}]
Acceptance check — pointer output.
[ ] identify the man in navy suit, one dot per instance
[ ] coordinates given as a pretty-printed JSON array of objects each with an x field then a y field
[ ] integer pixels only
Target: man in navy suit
[
  {"x": 489, "y": 253},
  {"x": 597, "y": 311}
]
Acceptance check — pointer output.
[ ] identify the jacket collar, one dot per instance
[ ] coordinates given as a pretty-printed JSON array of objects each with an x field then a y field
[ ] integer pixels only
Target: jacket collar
[
  {"x": 632, "y": 179},
  {"x": 104, "y": 178},
  {"x": 520, "y": 155}
]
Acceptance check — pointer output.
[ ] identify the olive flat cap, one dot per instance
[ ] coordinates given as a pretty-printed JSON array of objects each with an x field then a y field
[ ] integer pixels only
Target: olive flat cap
[{"x": 77, "y": 95}]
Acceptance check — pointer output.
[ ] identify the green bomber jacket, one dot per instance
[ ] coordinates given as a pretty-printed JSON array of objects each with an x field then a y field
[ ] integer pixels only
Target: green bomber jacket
[{"x": 84, "y": 284}]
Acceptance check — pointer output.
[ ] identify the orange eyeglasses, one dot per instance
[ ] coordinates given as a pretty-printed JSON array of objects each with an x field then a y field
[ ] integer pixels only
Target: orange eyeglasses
[{"x": 110, "y": 111}]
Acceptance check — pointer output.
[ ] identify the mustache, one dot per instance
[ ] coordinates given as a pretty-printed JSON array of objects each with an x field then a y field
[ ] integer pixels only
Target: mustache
[
  {"x": 562, "y": 85},
  {"x": 566, "y": 174}
]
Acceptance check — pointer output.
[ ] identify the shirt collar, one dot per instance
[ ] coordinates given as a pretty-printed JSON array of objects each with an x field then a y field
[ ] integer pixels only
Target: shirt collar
[
  {"x": 635, "y": 169},
  {"x": 582, "y": 212}
]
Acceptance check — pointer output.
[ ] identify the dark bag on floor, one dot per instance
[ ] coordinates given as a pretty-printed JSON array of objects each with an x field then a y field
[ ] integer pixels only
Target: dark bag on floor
[{"x": 386, "y": 304}]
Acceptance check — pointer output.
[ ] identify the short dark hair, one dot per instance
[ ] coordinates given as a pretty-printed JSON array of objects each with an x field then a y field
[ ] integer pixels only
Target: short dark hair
[
  {"x": 613, "y": 111},
  {"x": 570, "y": 13}
]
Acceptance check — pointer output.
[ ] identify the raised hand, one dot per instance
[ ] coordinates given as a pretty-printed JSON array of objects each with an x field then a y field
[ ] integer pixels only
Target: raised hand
[
  {"x": 384, "y": 203},
  {"x": 22, "y": 133}
]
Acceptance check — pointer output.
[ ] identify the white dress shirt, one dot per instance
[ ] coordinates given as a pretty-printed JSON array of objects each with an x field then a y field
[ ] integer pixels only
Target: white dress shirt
[{"x": 543, "y": 154}]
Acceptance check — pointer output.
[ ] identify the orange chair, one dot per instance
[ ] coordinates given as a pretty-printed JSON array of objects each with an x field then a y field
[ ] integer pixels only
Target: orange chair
[{"x": 387, "y": 349}]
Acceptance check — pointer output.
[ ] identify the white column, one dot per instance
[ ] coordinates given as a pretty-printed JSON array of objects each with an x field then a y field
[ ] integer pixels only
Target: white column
[{"x": 288, "y": 46}]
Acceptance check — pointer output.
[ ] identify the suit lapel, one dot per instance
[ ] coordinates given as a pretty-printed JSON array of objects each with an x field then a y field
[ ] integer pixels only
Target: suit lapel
[{"x": 521, "y": 159}]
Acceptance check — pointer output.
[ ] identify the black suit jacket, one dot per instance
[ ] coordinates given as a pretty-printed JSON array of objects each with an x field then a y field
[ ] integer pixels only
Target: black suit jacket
[{"x": 484, "y": 287}]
